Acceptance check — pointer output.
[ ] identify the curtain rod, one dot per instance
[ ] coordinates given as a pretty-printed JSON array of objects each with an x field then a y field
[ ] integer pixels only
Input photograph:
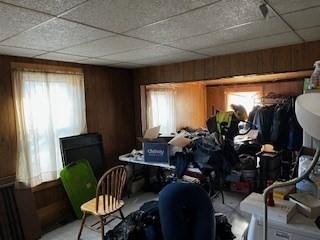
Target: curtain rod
[
  {"x": 31, "y": 67},
  {"x": 47, "y": 71}
]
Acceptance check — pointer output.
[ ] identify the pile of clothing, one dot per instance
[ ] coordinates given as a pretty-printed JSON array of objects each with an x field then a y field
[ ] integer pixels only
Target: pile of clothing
[{"x": 209, "y": 152}]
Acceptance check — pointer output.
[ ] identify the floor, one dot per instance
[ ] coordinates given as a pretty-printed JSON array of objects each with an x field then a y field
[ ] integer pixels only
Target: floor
[{"x": 238, "y": 220}]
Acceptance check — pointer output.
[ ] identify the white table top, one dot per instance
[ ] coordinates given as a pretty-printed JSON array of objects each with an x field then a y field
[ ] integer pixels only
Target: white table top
[{"x": 140, "y": 160}]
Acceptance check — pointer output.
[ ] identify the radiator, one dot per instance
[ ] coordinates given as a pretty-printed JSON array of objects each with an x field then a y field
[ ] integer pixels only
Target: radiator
[{"x": 10, "y": 224}]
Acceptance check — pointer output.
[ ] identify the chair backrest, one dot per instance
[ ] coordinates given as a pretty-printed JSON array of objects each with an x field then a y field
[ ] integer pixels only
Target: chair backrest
[{"x": 111, "y": 186}]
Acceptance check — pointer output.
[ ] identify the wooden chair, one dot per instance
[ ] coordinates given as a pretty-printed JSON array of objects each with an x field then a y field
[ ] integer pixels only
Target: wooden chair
[{"x": 107, "y": 201}]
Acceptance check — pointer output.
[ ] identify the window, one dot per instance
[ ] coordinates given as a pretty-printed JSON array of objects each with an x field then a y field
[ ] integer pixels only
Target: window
[
  {"x": 247, "y": 99},
  {"x": 48, "y": 106},
  {"x": 161, "y": 110}
]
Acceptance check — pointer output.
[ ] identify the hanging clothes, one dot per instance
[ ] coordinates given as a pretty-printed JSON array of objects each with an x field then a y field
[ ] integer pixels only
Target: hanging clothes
[
  {"x": 263, "y": 120},
  {"x": 280, "y": 129},
  {"x": 295, "y": 137}
]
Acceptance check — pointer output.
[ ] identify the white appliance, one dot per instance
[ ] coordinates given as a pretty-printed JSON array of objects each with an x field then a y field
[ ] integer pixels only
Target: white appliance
[{"x": 299, "y": 228}]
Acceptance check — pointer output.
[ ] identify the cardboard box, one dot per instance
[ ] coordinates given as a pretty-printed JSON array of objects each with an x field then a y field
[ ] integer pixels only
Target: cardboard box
[
  {"x": 307, "y": 204},
  {"x": 157, "y": 150},
  {"x": 282, "y": 212}
]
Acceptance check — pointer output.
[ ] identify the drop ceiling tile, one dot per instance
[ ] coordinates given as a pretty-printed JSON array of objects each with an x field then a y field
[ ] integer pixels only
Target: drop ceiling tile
[
  {"x": 304, "y": 19},
  {"x": 106, "y": 46},
  {"x": 14, "y": 20},
  {"x": 287, "y": 6},
  {"x": 54, "y": 35},
  {"x": 48, "y": 6},
  {"x": 310, "y": 34},
  {"x": 253, "y": 44},
  {"x": 61, "y": 57},
  {"x": 153, "y": 51},
  {"x": 122, "y": 15},
  {"x": 234, "y": 34},
  {"x": 221, "y": 15},
  {"x": 127, "y": 65},
  {"x": 21, "y": 52},
  {"x": 98, "y": 61},
  {"x": 173, "y": 58}
]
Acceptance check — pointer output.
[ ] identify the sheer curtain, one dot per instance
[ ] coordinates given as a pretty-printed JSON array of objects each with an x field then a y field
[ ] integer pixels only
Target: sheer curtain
[
  {"x": 48, "y": 106},
  {"x": 161, "y": 110}
]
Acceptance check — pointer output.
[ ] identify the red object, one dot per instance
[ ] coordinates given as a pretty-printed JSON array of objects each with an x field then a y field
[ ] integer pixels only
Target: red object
[
  {"x": 243, "y": 187},
  {"x": 270, "y": 201}
]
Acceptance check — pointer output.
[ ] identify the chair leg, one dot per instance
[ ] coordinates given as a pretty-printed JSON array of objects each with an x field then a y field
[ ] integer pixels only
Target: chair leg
[
  {"x": 222, "y": 196},
  {"x": 102, "y": 227},
  {"x": 84, "y": 217},
  {"x": 121, "y": 214}
]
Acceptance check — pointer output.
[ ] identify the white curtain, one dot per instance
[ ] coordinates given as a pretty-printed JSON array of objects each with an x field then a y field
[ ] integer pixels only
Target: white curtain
[
  {"x": 161, "y": 110},
  {"x": 48, "y": 106}
]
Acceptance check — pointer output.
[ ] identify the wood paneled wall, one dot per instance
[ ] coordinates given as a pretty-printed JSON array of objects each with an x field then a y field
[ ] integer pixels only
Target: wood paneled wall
[
  {"x": 190, "y": 106},
  {"x": 8, "y": 146},
  {"x": 275, "y": 60},
  {"x": 216, "y": 95},
  {"x": 109, "y": 110}
]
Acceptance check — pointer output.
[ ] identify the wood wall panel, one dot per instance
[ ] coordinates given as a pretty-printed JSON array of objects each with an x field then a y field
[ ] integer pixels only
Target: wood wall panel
[
  {"x": 199, "y": 71},
  {"x": 265, "y": 61},
  {"x": 110, "y": 109},
  {"x": 237, "y": 64},
  {"x": 215, "y": 100},
  {"x": 275, "y": 60},
  {"x": 52, "y": 203},
  {"x": 209, "y": 69},
  {"x": 8, "y": 134},
  {"x": 190, "y": 106},
  {"x": 287, "y": 88},
  {"x": 251, "y": 62},
  {"x": 282, "y": 59},
  {"x": 222, "y": 65},
  {"x": 188, "y": 71}
]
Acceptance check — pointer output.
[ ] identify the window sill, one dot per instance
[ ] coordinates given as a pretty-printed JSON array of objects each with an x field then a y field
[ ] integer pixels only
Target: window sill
[{"x": 46, "y": 185}]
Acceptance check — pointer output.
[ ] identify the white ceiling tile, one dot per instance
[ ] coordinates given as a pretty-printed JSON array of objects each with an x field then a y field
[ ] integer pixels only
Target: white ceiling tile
[
  {"x": 54, "y": 35},
  {"x": 153, "y": 51},
  {"x": 221, "y": 15},
  {"x": 48, "y": 6},
  {"x": 127, "y": 65},
  {"x": 310, "y": 34},
  {"x": 106, "y": 46},
  {"x": 242, "y": 32},
  {"x": 251, "y": 45},
  {"x": 304, "y": 19},
  {"x": 98, "y": 61},
  {"x": 173, "y": 58},
  {"x": 122, "y": 15},
  {"x": 14, "y": 20},
  {"x": 21, "y": 52},
  {"x": 286, "y": 6},
  {"x": 61, "y": 57}
]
